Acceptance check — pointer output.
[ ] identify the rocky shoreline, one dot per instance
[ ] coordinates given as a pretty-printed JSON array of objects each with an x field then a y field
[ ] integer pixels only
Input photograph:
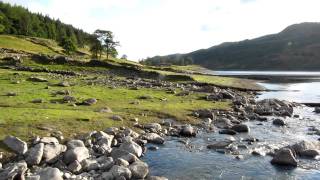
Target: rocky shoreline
[{"x": 114, "y": 153}]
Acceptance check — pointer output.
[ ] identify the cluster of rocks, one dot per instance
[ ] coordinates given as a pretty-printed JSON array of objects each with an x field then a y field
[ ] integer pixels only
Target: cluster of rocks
[
  {"x": 110, "y": 154},
  {"x": 288, "y": 155}
]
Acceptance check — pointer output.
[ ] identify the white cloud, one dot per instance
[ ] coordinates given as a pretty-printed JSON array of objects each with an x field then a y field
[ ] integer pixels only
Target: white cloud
[{"x": 158, "y": 27}]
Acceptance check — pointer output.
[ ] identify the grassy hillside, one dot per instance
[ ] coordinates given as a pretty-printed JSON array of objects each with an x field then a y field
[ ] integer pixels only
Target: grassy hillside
[
  {"x": 294, "y": 48},
  {"x": 22, "y": 44}
]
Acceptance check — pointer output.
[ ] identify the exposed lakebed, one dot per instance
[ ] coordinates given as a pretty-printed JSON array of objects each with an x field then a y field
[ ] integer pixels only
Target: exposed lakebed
[{"x": 194, "y": 161}]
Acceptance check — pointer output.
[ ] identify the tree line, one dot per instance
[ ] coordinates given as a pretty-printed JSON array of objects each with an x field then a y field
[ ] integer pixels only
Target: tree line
[{"x": 17, "y": 20}]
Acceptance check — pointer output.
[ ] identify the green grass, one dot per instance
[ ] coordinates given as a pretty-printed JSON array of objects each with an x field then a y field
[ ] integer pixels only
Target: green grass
[
  {"x": 19, "y": 116},
  {"x": 22, "y": 44}
]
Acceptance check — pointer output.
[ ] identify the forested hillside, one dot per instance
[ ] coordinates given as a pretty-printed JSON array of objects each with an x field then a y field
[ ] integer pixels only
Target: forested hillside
[
  {"x": 297, "y": 47},
  {"x": 17, "y": 20}
]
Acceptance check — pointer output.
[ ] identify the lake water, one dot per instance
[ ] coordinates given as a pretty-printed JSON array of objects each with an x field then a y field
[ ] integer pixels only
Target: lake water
[{"x": 175, "y": 161}]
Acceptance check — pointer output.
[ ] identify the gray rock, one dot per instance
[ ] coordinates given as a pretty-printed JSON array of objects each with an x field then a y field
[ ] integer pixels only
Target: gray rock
[
  {"x": 116, "y": 118},
  {"x": 240, "y": 128},
  {"x": 78, "y": 153},
  {"x": 51, "y": 152},
  {"x": 50, "y": 173},
  {"x": 37, "y": 79},
  {"x": 228, "y": 131},
  {"x": 153, "y": 138},
  {"x": 121, "y": 162},
  {"x": 16, "y": 144},
  {"x": 156, "y": 178},
  {"x": 317, "y": 109},
  {"x": 223, "y": 123},
  {"x": 219, "y": 145},
  {"x": 312, "y": 153},
  {"x": 34, "y": 155},
  {"x": 118, "y": 171},
  {"x": 49, "y": 140},
  {"x": 139, "y": 170},
  {"x": 155, "y": 126},
  {"x": 284, "y": 157},
  {"x": 131, "y": 147},
  {"x": 32, "y": 177},
  {"x": 187, "y": 131},
  {"x": 304, "y": 148},
  {"x": 90, "y": 164},
  {"x": 278, "y": 122},
  {"x": 90, "y": 101},
  {"x": 75, "y": 143},
  {"x": 13, "y": 171},
  {"x": 75, "y": 167},
  {"x": 63, "y": 84}
]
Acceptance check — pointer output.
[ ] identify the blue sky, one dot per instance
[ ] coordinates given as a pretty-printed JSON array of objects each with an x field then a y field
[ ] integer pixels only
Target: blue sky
[{"x": 159, "y": 27}]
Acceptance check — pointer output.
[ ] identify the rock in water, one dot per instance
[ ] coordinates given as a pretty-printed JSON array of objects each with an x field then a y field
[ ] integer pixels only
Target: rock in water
[
  {"x": 228, "y": 131},
  {"x": 34, "y": 155},
  {"x": 278, "y": 122},
  {"x": 16, "y": 144},
  {"x": 240, "y": 128},
  {"x": 284, "y": 157},
  {"x": 153, "y": 138},
  {"x": 188, "y": 131},
  {"x": 317, "y": 109},
  {"x": 139, "y": 170}
]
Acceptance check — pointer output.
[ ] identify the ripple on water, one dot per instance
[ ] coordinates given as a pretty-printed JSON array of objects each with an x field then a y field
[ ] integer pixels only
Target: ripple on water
[{"x": 175, "y": 161}]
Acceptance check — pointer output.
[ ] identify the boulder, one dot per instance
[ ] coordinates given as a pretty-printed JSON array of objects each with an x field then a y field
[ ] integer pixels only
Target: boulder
[
  {"x": 153, "y": 138},
  {"x": 155, "y": 126},
  {"x": 306, "y": 148},
  {"x": 131, "y": 147},
  {"x": 90, "y": 101},
  {"x": 284, "y": 157},
  {"x": 13, "y": 171},
  {"x": 116, "y": 118},
  {"x": 228, "y": 131},
  {"x": 52, "y": 151},
  {"x": 50, "y": 173},
  {"x": 75, "y": 143},
  {"x": 49, "y": 140},
  {"x": 240, "y": 128},
  {"x": 90, "y": 164},
  {"x": 34, "y": 155},
  {"x": 16, "y": 144},
  {"x": 37, "y": 79},
  {"x": 139, "y": 170},
  {"x": 219, "y": 145},
  {"x": 223, "y": 123},
  {"x": 317, "y": 109},
  {"x": 78, "y": 153},
  {"x": 187, "y": 131},
  {"x": 121, "y": 162},
  {"x": 75, "y": 166},
  {"x": 118, "y": 171},
  {"x": 278, "y": 122}
]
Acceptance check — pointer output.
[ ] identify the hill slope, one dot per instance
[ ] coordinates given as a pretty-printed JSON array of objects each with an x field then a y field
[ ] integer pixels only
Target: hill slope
[{"x": 295, "y": 48}]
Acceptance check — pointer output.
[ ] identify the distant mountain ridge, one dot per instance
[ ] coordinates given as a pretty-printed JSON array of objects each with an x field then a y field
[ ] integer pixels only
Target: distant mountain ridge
[{"x": 297, "y": 47}]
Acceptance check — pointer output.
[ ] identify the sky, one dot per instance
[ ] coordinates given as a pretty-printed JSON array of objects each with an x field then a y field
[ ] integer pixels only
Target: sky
[{"x": 146, "y": 28}]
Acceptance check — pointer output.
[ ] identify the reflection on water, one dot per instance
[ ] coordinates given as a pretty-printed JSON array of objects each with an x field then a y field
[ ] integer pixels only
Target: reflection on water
[{"x": 296, "y": 92}]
